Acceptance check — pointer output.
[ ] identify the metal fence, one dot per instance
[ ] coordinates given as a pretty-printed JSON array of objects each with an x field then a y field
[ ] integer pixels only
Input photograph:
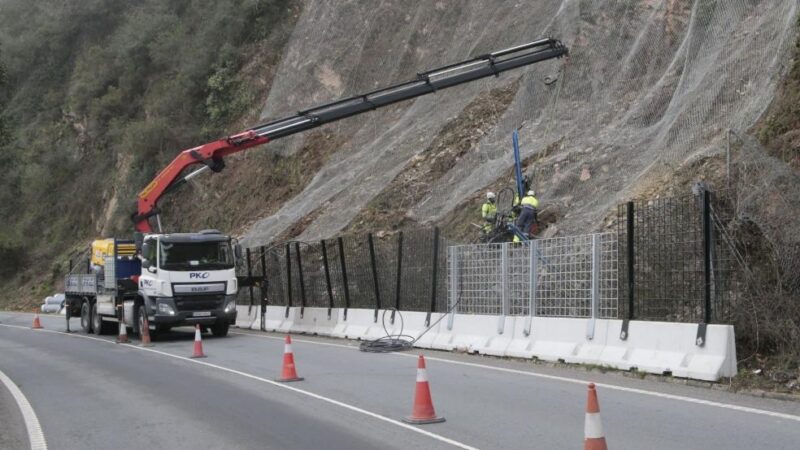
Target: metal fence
[
  {"x": 573, "y": 276},
  {"x": 671, "y": 260},
  {"x": 403, "y": 270},
  {"x": 677, "y": 263}
]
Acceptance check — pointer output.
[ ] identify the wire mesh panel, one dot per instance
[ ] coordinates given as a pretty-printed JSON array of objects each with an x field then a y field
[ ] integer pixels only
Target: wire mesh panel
[
  {"x": 669, "y": 255},
  {"x": 406, "y": 269},
  {"x": 496, "y": 278},
  {"x": 277, "y": 292},
  {"x": 359, "y": 271},
  {"x": 477, "y": 278},
  {"x": 565, "y": 277}
]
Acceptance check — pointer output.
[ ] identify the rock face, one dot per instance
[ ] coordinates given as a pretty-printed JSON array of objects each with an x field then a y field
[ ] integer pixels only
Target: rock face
[{"x": 649, "y": 84}]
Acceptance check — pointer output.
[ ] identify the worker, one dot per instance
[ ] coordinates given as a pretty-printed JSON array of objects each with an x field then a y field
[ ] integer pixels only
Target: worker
[
  {"x": 527, "y": 216},
  {"x": 489, "y": 212}
]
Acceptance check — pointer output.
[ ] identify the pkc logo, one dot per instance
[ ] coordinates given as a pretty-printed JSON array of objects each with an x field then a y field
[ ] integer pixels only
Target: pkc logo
[{"x": 198, "y": 275}]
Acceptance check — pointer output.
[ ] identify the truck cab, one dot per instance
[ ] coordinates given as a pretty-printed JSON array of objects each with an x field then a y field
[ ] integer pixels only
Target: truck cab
[{"x": 188, "y": 279}]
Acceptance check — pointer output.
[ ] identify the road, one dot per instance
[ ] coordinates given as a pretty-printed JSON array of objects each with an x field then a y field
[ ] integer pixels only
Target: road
[{"x": 91, "y": 393}]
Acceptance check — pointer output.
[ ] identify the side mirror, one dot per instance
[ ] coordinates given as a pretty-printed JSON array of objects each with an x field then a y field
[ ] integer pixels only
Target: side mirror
[
  {"x": 138, "y": 239},
  {"x": 152, "y": 269}
]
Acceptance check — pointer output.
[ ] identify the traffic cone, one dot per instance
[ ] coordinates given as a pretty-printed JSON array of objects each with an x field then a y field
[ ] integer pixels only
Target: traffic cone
[
  {"x": 422, "y": 412},
  {"x": 36, "y": 323},
  {"x": 198, "y": 343},
  {"x": 289, "y": 371},
  {"x": 145, "y": 333},
  {"x": 122, "y": 337},
  {"x": 594, "y": 438}
]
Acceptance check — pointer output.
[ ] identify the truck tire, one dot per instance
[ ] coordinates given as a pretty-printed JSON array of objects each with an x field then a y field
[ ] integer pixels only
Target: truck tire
[
  {"x": 140, "y": 315},
  {"x": 86, "y": 316},
  {"x": 98, "y": 324},
  {"x": 220, "y": 329}
]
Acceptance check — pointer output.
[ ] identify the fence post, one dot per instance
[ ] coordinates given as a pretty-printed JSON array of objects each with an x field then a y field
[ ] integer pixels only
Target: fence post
[
  {"x": 340, "y": 244},
  {"x": 375, "y": 286},
  {"x": 435, "y": 274},
  {"x": 501, "y": 321},
  {"x": 249, "y": 280},
  {"x": 707, "y": 256},
  {"x": 631, "y": 269},
  {"x": 327, "y": 277},
  {"x": 534, "y": 275},
  {"x": 300, "y": 279},
  {"x": 595, "y": 285},
  {"x": 264, "y": 287},
  {"x": 452, "y": 260},
  {"x": 631, "y": 261},
  {"x": 288, "y": 279},
  {"x": 399, "y": 273}
]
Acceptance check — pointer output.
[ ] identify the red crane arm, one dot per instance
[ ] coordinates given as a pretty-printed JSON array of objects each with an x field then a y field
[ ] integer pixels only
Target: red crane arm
[{"x": 209, "y": 154}]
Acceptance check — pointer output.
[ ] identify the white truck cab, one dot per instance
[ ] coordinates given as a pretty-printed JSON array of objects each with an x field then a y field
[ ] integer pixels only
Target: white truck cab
[{"x": 188, "y": 279}]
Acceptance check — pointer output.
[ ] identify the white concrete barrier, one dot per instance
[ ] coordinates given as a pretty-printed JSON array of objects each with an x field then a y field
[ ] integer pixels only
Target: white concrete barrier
[
  {"x": 653, "y": 347},
  {"x": 248, "y": 316}
]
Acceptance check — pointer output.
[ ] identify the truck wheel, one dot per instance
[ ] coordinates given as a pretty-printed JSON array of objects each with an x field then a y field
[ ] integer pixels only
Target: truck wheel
[
  {"x": 140, "y": 323},
  {"x": 86, "y": 317},
  {"x": 98, "y": 324},
  {"x": 220, "y": 329}
]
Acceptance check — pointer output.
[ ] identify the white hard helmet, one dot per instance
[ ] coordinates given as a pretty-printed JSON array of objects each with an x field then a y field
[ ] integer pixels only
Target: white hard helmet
[
  {"x": 490, "y": 195},
  {"x": 531, "y": 193}
]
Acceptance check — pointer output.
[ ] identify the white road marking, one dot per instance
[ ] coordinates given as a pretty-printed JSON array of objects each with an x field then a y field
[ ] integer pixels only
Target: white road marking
[
  {"x": 273, "y": 383},
  {"x": 613, "y": 387},
  {"x": 681, "y": 398},
  {"x": 35, "y": 435}
]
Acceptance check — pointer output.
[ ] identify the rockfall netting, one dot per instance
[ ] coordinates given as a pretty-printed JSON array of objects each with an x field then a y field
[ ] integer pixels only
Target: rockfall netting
[{"x": 649, "y": 85}]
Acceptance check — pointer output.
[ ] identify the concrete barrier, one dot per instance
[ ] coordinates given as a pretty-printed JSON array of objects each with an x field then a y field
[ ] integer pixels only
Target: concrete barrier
[
  {"x": 248, "y": 316},
  {"x": 653, "y": 347}
]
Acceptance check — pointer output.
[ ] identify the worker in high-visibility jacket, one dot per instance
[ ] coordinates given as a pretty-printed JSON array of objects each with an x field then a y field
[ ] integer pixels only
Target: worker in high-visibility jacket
[
  {"x": 489, "y": 212},
  {"x": 527, "y": 216}
]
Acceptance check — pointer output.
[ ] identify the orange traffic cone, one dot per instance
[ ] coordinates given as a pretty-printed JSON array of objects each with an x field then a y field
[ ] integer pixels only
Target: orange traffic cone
[
  {"x": 145, "y": 334},
  {"x": 289, "y": 371},
  {"x": 594, "y": 438},
  {"x": 198, "y": 343},
  {"x": 122, "y": 337},
  {"x": 422, "y": 412},
  {"x": 36, "y": 323}
]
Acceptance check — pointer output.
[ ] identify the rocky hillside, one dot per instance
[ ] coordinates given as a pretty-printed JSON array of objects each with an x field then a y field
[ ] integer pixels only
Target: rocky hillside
[{"x": 100, "y": 95}]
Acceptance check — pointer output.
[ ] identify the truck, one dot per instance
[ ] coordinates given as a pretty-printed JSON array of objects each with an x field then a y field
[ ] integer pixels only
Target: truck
[
  {"x": 176, "y": 279},
  {"x": 172, "y": 279}
]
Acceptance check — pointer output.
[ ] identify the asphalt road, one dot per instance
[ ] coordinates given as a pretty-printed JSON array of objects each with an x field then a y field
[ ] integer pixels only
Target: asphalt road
[{"x": 91, "y": 393}]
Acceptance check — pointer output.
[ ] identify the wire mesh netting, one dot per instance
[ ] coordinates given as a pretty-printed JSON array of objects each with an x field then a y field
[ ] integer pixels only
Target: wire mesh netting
[
  {"x": 669, "y": 272},
  {"x": 403, "y": 270},
  {"x": 647, "y": 82},
  {"x": 556, "y": 277}
]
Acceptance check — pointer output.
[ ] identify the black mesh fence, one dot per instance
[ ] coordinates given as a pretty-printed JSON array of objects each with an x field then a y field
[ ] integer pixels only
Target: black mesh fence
[
  {"x": 676, "y": 263},
  {"x": 404, "y": 270}
]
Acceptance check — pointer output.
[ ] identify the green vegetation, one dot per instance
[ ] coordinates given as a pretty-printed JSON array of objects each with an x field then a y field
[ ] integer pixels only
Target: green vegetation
[{"x": 98, "y": 95}]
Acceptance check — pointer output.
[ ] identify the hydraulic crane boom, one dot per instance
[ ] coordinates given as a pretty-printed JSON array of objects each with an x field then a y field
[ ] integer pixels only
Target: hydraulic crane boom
[{"x": 211, "y": 155}]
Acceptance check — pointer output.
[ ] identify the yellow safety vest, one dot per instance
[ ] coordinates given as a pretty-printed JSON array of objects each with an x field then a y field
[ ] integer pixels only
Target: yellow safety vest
[
  {"x": 488, "y": 211},
  {"x": 530, "y": 201}
]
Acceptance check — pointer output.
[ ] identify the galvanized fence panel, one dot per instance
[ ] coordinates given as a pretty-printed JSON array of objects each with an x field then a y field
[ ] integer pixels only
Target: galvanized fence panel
[{"x": 545, "y": 277}]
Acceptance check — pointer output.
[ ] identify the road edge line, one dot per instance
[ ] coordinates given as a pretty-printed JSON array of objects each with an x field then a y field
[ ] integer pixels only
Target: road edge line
[{"x": 32, "y": 425}]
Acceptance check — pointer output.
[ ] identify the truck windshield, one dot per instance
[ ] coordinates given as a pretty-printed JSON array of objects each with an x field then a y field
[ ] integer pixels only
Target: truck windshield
[{"x": 196, "y": 255}]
